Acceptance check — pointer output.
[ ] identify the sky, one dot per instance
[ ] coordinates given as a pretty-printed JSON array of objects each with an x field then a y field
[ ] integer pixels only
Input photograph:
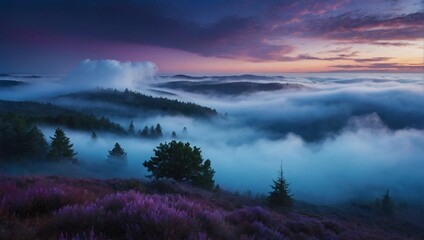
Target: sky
[{"x": 214, "y": 37}]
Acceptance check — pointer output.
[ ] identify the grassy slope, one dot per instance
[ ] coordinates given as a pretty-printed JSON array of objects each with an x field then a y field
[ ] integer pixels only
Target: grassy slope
[{"x": 57, "y": 207}]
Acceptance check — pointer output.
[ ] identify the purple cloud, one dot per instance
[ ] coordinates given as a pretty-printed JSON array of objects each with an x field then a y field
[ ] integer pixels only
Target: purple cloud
[{"x": 239, "y": 30}]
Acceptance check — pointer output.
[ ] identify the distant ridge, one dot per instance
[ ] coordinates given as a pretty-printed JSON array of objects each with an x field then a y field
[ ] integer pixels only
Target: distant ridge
[
  {"x": 11, "y": 83},
  {"x": 228, "y": 88},
  {"x": 228, "y": 77},
  {"x": 140, "y": 102}
]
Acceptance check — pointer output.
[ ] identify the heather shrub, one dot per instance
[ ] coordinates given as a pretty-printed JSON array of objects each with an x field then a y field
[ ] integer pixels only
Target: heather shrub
[
  {"x": 307, "y": 226},
  {"x": 34, "y": 201},
  {"x": 333, "y": 227},
  {"x": 137, "y": 216},
  {"x": 260, "y": 231},
  {"x": 249, "y": 214}
]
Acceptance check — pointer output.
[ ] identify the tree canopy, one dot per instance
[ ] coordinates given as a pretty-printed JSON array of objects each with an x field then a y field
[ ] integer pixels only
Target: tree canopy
[
  {"x": 181, "y": 162},
  {"x": 20, "y": 139}
]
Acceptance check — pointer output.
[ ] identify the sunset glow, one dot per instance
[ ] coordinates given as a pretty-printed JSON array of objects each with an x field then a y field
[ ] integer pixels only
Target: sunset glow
[{"x": 215, "y": 37}]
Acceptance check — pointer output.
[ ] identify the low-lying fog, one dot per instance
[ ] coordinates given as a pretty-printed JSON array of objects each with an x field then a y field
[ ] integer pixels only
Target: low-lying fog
[{"x": 347, "y": 136}]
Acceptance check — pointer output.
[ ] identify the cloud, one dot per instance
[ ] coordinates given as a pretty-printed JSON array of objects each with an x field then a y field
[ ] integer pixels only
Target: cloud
[
  {"x": 395, "y": 67},
  {"x": 252, "y": 31},
  {"x": 354, "y": 26},
  {"x": 90, "y": 74},
  {"x": 87, "y": 75}
]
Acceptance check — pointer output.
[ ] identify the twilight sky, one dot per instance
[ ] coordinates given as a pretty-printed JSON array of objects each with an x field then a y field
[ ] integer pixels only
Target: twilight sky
[{"x": 221, "y": 36}]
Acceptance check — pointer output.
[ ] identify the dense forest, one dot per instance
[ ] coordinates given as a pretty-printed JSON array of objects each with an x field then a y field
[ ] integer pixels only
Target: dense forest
[
  {"x": 49, "y": 114},
  {"x": 141, "y": 102}
]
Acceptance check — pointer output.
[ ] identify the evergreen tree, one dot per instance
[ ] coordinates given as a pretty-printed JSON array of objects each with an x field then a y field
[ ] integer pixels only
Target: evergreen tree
[
  {"x": 61, "y": 148},
  {"x": 181, "y": 162},
  {"x": 20, "y": 139},
  {"x": 204, "y": 177},
  {"x": 152, "y": 131},
  {"x": 280, "y": 196},
  {"x": 117, "y": 154},
  {"x": 387, "y": 203},
  {"x": 174, "y": 135},
  {"x": 158, "y": 130},
  {"x": 131, "y": 128},
  {"x": 145, "y": 132},
  {"x": 93, "y": 136}
]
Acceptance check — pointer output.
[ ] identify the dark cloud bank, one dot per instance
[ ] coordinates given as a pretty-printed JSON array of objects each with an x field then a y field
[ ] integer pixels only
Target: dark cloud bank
[{"x": 341, "y": 137}]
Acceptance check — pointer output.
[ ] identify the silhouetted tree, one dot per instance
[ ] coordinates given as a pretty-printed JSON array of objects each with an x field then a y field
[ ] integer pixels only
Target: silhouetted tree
[
  {"x": 152, "y": 131},
  {"x": 174, "y": 135},
  {"x": 93, "y": 136},
  {"x": 387, "y": 203},
  {"x": 280, "y": 196},
  {"x": 181, "y": 162},
  {"x": 145, "y": 132},
  {"x": 117, "y": 154},
  {"x": 131, "y": 128},
  {"x": 61, "y": 148},
  {"x": 158, "y": 130}
]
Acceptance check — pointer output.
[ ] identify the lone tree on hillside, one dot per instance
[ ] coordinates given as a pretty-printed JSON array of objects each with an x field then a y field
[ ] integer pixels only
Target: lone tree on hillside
[
  {"x": 280, "y": 196},
  {"x": 61, "y": 148},
  {"x": 181, "y": 162},
  {"x": 117, "y": 155}
]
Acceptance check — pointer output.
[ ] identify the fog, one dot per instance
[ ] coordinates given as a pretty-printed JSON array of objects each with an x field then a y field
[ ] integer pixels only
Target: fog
[
  {"x": 348, "y": 136},
  {"x": 87, "y": 75}
]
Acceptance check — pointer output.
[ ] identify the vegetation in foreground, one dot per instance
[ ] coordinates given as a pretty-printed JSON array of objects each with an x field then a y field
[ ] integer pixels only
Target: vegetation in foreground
[{"x": 63, "y": 208}]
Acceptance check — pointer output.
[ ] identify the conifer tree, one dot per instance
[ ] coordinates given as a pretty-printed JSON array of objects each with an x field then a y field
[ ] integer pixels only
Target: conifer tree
[
  {"x": 280, "y": 196},
  {"x": 174, "y": 135},
  {"x": 152, "y": 131},
  {"x": 61, "y": 148},
  {"x": 131, "y": 128},
  {"x": 93, "y": 136},
  {"x": 117, "y": 154},
  {"x": 145, "y": 132},
  {"x": 387, "y": 203},
  {"x": 158, "y": 130}
]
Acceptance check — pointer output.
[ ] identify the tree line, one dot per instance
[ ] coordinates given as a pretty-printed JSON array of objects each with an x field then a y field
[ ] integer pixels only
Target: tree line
[{"x": 144, "y": 102}]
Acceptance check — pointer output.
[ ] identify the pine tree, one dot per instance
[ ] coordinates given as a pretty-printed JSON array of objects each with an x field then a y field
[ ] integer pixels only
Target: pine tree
[
  {"x": 174, "y": 135},
  {"x": 158, "y": 130},
  {"x": 145, "y": 132},
  {"x": 61, "y": 148},
  {"x": 152, "y": 131},
  {"x": 93, "y": 136},
  {"x": 131, "y": 128},
  {"x": 387, "y": 203},
  {"x": 117, "y": 154},
  {"x": 280, "y": 197}
]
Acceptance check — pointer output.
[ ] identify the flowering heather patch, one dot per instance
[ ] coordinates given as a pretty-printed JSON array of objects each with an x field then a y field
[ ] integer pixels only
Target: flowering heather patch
[
  {"x": 64, "y": 208},
  {"x": 138, "y": 216}
]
